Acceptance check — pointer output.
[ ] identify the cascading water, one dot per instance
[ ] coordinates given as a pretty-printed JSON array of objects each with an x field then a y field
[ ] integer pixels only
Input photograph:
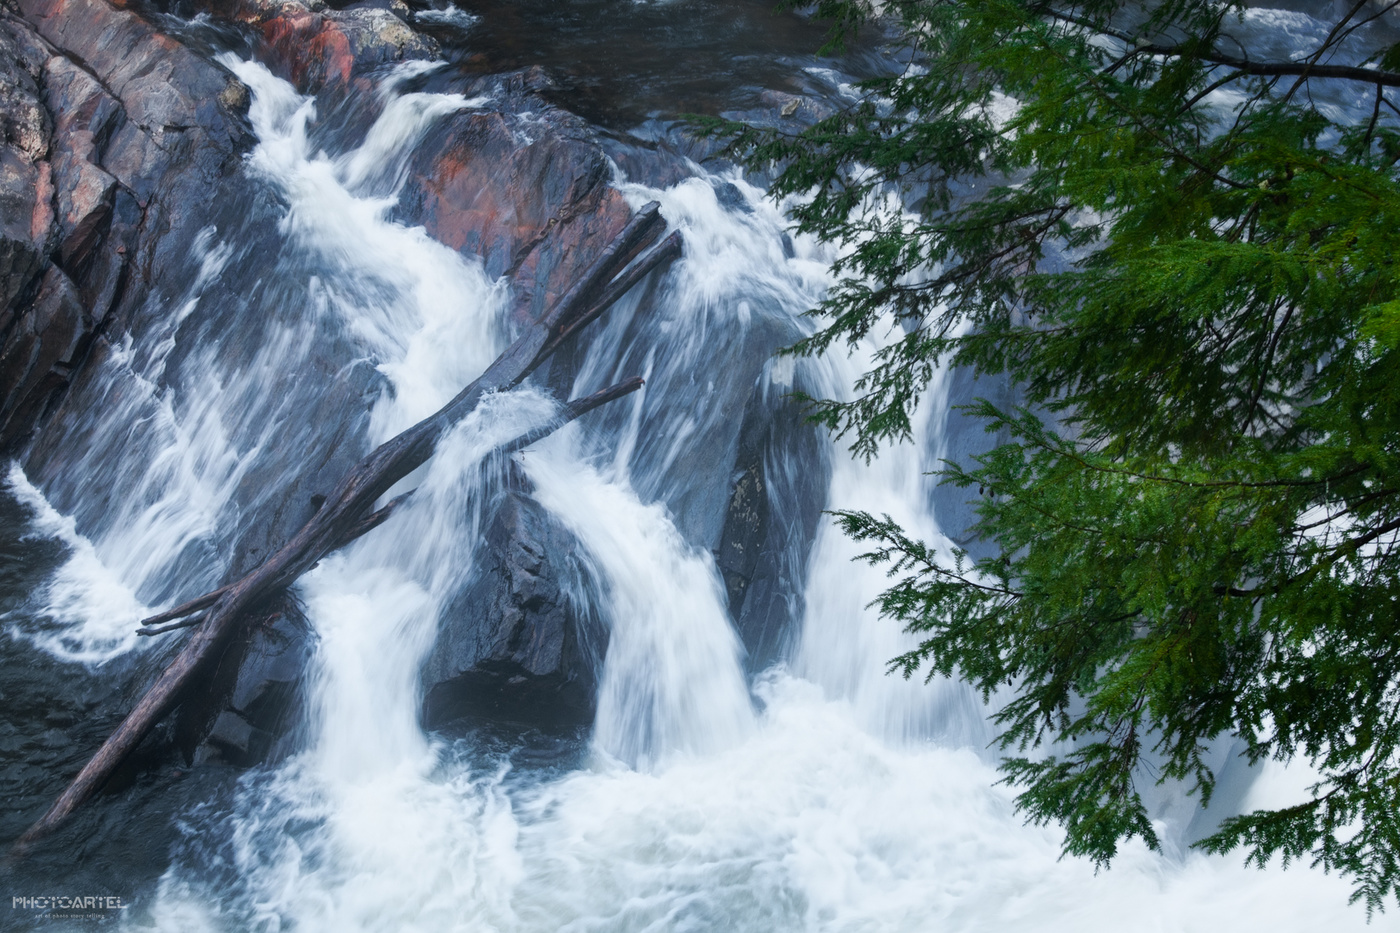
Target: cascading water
[
  {"x": 178, "y": 444},
  {"x": 850, "y": 660},
  {"x": 672, "y": 682},
  {"x": 824, "y": 795}
]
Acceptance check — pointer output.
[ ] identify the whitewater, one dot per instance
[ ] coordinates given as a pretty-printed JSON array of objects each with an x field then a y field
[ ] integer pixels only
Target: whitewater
[{"x": 821, "y": 794}]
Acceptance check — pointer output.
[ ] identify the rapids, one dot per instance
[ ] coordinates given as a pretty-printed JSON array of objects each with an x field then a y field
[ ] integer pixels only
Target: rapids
[{"x": 814, "y": 792}]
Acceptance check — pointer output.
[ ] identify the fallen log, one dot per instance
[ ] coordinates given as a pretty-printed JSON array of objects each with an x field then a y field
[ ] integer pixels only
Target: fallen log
[
  {"x": 567, "y": 413},
  {"x": 348, "y": 509},
  {"x": 665, "y": 252}
]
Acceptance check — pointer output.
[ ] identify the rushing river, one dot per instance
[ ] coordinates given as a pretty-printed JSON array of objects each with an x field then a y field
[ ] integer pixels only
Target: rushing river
[{"x": 815, "y": 793}]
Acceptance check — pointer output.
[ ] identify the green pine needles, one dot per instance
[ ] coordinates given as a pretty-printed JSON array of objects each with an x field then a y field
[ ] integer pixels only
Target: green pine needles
[{"x": 1183, "y": 247}]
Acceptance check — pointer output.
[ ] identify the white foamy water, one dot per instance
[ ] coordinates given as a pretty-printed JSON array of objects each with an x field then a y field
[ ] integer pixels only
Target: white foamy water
[
  {"x": 449, "y": 16},
  {"x": 168, "y": 466},
  {"x": 815, "y": 824},
  {"x": 831, "y": 798},
  {"x": 386, "y": 839},
  {"x": 102, "y": 610},
  {"x": 427, "y": 316},
  {"x": 844, "y": 647},
  {"x": 812, "y": 824},
  {"x": 672, "y": 682},
  {"x": 173, "y": 448}
]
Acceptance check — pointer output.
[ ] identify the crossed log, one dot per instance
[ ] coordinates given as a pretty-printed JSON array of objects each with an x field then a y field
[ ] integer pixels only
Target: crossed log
[{"x": 348, "y": 512}]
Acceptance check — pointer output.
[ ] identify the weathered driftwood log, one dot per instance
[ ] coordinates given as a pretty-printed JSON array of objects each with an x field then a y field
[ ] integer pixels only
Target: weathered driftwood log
[
  {"x": 348, "y": 511},
  {"x": 570, "y": 411}
]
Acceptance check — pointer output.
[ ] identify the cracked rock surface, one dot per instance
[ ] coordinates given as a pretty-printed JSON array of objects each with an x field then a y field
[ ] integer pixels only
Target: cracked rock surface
[{"x": 109, "y": 132}]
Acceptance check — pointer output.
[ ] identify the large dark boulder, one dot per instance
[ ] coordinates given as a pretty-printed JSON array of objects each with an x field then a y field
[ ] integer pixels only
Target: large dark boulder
[
  {"x": 517, "y": 643},
  {"x": 781, "y": 473}
]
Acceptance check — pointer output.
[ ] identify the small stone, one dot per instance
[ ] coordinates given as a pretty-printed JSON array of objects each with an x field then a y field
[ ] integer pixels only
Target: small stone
[{"x": 234, "y": 97}]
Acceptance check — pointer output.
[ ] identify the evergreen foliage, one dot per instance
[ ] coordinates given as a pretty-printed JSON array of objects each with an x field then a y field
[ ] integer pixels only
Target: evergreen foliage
[{"x": 1184, "y": 250}]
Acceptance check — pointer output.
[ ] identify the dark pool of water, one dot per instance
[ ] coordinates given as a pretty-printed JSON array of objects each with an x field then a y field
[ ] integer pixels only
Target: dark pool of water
[{"x": 618, "y": 62}]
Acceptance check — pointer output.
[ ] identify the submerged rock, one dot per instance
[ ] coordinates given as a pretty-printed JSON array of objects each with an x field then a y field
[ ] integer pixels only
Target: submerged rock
[{"x": 782, "y": 472}]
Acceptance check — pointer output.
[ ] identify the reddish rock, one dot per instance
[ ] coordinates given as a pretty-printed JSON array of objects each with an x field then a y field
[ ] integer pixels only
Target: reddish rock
[
  {"x": 110, "y": 129},
  {"x": 312, "y": 49},
  {"x": 85, "y": 116},
  {"x": 524, "y": 186},
  {"x": 171, "y": 102},
  {"x": 160, "y": 83},
  {"x": 317, "y": 48}
]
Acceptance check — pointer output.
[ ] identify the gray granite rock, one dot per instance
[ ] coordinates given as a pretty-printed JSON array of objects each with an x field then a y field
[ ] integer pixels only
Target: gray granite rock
[{"x": 514, "y": 644}]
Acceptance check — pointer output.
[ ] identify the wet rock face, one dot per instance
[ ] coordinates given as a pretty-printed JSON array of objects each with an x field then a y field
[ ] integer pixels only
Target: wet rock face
[
  {"x": 318, "y": 47},
  {"x": 513, "y": 645},
  {"x": 262, "y": 703},
  {"x": 781, "y": 471},
  {"x": 43, "y": 346},
  {"x": 521, "y": 184},
  {"x": 112, "y": 132},
  {"x": 26, "y": 181}
]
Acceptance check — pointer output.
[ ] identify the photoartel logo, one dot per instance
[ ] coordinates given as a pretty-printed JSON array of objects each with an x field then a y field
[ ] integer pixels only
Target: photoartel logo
[{"x": 66, "y": 907}]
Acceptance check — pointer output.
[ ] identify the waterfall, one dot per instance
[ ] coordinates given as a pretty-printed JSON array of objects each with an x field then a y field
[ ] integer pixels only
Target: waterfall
[
  {"x": 818, "y": 795},
  {"x": 182, "y": 431},
  {"x": 672, "y": 682},
  {"x": 381, "y": 807}
]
